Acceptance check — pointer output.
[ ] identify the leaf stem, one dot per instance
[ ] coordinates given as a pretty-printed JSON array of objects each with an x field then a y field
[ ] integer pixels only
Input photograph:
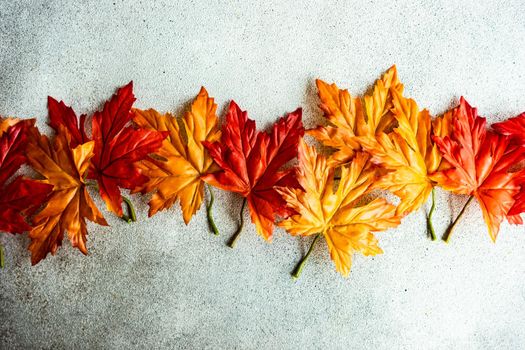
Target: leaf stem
[
  {"x": 131, "y": 210},
  {"x": 1, "y": 256},
  {"x": 233, "y": 241},
  {"x": 430, "y": 226},
  {"x": 211, "y": 222},
  {"x": 132, "y": 217},
  {"x": 299, "y": 268},
  {"x": 448, "y": 233}
]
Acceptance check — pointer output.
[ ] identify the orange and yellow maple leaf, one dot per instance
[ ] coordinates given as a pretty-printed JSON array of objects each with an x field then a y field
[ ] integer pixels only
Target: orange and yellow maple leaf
[
  {"x": 175, "y": 170},
  {"x": 69, "y": 203},
  {"x": 408, "y": 153},
  {"x": 349, "y": 120},
  {"x": 346, "y": 224}
]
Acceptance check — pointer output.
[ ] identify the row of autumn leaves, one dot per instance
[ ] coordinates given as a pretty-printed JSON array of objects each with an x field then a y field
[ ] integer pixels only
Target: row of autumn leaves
[{"x": 383, "y": 141}]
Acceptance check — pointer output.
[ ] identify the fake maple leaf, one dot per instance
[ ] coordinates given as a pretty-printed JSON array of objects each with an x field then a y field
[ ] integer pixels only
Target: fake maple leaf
[
  {"x": 21, "y": 197},
  {"x": 338, "y": 216},
  {"x": 250, "y": 163},
  {"x": 175, "y": 170},
  {"x": 409, "y": 155},
  {"x": 117, "y": 144},
  {"x": 479, "y": 162},
  {"x": 515, "y": 129},
  {"x": 69, "y": 204},
  {"x": 519, "y": 204},
  {"x": 349, "y": 121}
]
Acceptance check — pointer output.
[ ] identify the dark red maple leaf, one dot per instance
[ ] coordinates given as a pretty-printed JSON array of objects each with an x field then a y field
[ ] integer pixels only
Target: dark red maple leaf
[
  {"x": 251, "y": 161},
  {"x": 118, "y": 144},
  {"x": 21, "y": 197}
]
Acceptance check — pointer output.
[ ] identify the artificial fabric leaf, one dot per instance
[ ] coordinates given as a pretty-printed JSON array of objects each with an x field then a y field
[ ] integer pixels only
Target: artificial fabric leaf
[
  {"x": 175, "y": 170},
  {"x": 479, "y": 163},
  {"x": 250, "y": 164},
  {"x": 408, "y": 153},
  {"x": 118, "y": 145},
  {"x": 69, "y": 204},
  {"x": 21, "y": 197},
  {"x": 346, "y": 223},
  {"x": 515, "y": 129},
  {"x": 519, "y": 204},
  {"x": 349, "y": 120}
]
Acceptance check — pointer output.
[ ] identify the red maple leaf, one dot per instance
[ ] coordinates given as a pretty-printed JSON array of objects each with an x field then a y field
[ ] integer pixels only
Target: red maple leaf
[
  {"x": 251, "y": 161},
  {"x": 118, "y": 144},
  {"x": 480, "y": 166},
  {"x": 21, "y": 197},
  {"x": 515, "y": 129}
]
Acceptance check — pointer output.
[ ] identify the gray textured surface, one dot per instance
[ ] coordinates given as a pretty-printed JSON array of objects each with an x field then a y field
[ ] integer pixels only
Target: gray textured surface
[{"x": 159, "y": 283}]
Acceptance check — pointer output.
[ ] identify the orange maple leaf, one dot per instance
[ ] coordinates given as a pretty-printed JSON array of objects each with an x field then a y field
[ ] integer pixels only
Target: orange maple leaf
[
  {"x": 347, "y": 118},
  {"x": 175, "y": 170},
  {"x": 69, "y": 203},
  {"x": 479, "y": 163},
  {"x": 346, "y": 224}
]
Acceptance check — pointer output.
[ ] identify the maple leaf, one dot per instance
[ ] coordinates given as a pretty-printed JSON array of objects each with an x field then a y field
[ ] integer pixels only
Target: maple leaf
[
  {"x": 519, "y": 204},
  {"x": 347, "y": 118},
  {"x": 515, "y": 129},
  {"x": 346, "y": 225},
  {"x": 409, "y": 155},
  {"x": 479, "y": 162},
  {"x": 69, "y": 204},
  {"x": 175, "y": 170},
  {"x": 250, "y": 164},
  {"x": 117, "y": 144},
  {"x": 21, "y": 197}
]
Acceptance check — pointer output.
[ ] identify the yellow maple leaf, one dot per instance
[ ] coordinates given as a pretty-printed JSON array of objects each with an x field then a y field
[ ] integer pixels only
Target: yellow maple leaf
[
  {"x": 175, "y": 170},
  {"x": 69, "y": 203},
  {"x": 347, "y": 118},
  {"x": 408, "y": 153},
  {"x": 339, "y": 216}
]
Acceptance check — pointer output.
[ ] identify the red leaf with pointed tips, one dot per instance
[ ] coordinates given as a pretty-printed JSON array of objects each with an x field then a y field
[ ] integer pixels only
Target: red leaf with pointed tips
[
  {"x": 480, "y": 163},
  {"x": 21, "y": 197},
  {"x": 118, "y": 144},
  {"x": 515, "y": 128},
  {"x": 251, "y": 162}
]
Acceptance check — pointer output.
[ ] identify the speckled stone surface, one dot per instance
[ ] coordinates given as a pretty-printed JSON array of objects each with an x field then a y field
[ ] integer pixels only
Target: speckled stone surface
[{"x": 161, "y": 284}]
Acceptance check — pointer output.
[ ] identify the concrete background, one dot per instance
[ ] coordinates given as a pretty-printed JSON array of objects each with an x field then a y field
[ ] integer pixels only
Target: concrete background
[{"x": 161, "y": 284}]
